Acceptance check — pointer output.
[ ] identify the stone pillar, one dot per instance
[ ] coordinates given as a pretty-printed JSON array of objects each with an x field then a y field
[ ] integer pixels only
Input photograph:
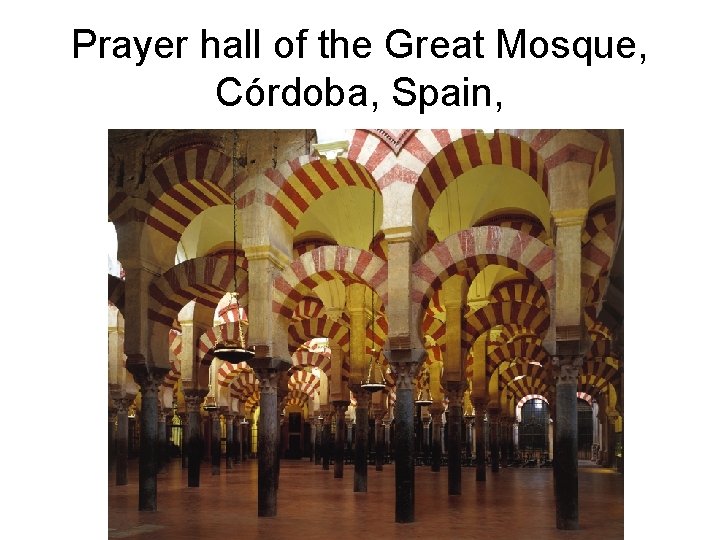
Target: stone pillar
[
  {"x": 238, "y": 439},
  {"x": 214, "y": 413},
  {"x": 340, "y": 408},
  {"x": 454, "y": 392},
  {"x": 121, "y": 442},
  {"x": 317, "y": 447},
  {"x": 436, "y": 410},
  {"x": 480, "y": 450},
  {"x": 493, "y": 419},
  {"x": 229, "y": 439},
  {"x": 427, "y": 439},
  {"x": 184, "y": 441},
  {"x": 566, "y": 439},
  {"x": 379, "y": 441},
  {"x": 149, "y": 379},
  {"x": 612, "y": 416},
  {"x": 326, "y": 437},
  {"x": 404, "y": 439},
  {"x": 162, "y": 441},
  {"x": 268, "y": 436},
  {"x": 112, "y": 419},
  {"x": 193, "y": 399},
  {"x": 247, "y": 433},
  {"x": 503, "y": 440},
  {"x": 362, "y": 425}
]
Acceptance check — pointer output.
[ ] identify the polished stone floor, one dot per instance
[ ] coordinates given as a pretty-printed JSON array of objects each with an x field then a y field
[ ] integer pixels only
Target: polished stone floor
[{"x": 312, "y": 504}]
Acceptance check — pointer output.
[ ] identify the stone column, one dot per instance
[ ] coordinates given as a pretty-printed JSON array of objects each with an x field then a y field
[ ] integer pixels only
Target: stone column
[
  {"x": 340, "y": 408},
  {"x": 404, "y": 438},
  {"x": 247, "y": 441},
  {"x": 184, "y": 442},
  {"x": 436, "y": 410},
  {"x": 229, "y": 439},
  {"x": 121, "y": 442},
  {"x": 112, "y": 419},
  {"x": 480, "y": 450},
  {"x": 162, "y": 441},
  {"x": 193, "y": 399},
  {"x": 503, "y": 440},
  {"x": 361, "y": 440},
  {"x": 379, "y": 441},
  {"x": 238, "y": 439},
  {"x": 612, "y": 416},
  {"x": 268, "y": 436},
  {"x": 566, "y": 439},
  {"x": 214, "y": 413},
  {"x": 149, "y": 379},
  {"x": 317, "y": 447},
  {"x": 427, "y": 438},
  {"x": 493, "y": 419},
  {"x": 454, "y": 392},
  {"x": 326, "y": 437}
]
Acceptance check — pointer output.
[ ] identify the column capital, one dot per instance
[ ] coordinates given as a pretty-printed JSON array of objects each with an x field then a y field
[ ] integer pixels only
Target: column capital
[
  {"x": 454, "y": 391},
  {"x": 149, "y": 378},
  {"x": 362, "y": 396},
  {"x": 566, "y": 368},
  {"x": 193, "y": 399},
  {"x": 122, "y": 405}
]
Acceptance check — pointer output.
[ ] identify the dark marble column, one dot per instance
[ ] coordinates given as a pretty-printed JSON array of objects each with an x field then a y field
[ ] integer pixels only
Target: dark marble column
[
  {"x": 214, "y": 413},
  {"x": 238, "y": 439},
  {"x": 362, "y": 425},
  {"x": 454, "y": 392},
  {"x": 162, "y": 457},
  {"x": 494, "y": 418},
  {"x": 404, "y": 437},
  {"x": 112, "y": 419},
  {"x": 340, "y": 408},
  {"x": 229, "y": 439},
  {"x": 480, "y": 450},
  {"x": 436, "y": 410},
  {"x": 268, "y": 436},
  {"x": 612, "y": 439},
  {"x": 121, "y": 442},
  {"x": 502, "y": 436},
  {"x": 326, "y": 438},
  {"x": 317, "y": 447},
  {"x": 379, "y": 440},
  {"x": 193, "y": 399},
  {"x": 427, "y": 438},
  {"x": 566, "y": 442},
  {"x": 149, "y": 379},
  {"x": 184, "y": 442}
]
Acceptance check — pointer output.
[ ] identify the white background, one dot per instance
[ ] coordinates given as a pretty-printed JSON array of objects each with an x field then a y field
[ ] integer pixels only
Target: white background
[{"x": 57, "y": 110}]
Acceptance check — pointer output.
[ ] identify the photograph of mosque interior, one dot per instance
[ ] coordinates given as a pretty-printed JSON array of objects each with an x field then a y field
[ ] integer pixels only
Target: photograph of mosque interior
[{"x": 410, "y": 333}]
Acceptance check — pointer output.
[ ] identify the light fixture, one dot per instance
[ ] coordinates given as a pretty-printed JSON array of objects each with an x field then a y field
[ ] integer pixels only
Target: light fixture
[
  {"x": 210, "y": 404},
  {"x": 372, "y": 382},
  {"x": 234, "y": 350},
  {"x": 424, "y": 398}
]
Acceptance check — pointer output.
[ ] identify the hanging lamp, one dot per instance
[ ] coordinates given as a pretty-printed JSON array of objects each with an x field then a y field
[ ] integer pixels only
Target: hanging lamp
[
  {"x": 424, "y": 398},
  {"x": 374, "y": 380},
  {"x": 234, "y": 350}
]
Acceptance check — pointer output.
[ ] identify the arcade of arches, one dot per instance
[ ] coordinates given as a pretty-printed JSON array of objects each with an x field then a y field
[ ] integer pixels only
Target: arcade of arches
[{"x": 481, "y": 271}]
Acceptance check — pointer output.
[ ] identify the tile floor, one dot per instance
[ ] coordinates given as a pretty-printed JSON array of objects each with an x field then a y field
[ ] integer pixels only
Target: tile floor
[{"x": 514, "y": 503}]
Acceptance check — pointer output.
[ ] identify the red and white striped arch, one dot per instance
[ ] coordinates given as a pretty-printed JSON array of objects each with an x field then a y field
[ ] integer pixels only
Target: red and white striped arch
[
  {"x": 304, "y": 180},
  {"x": 518, "y": 291},
  {"x": 530, "y": 225},
  {"x": 308, "y": 308},
  {"x": 321, "y": 361},
  {"x": 302, "y": 331},
  {"x": 523, "y": 350},
  {"x": 304, "y": 381},
  {"x": 185, "y": 184},
  {"x": 522, "y": 401},
  {"x": 204, "y": 279},
  {"x": 173, "y": 376},
  {"x": 469, "y": 251},
  {"x": 476, "y": 323},
  {"x": 326, "y": 264},
  {"x": 221, "y": 332}
]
